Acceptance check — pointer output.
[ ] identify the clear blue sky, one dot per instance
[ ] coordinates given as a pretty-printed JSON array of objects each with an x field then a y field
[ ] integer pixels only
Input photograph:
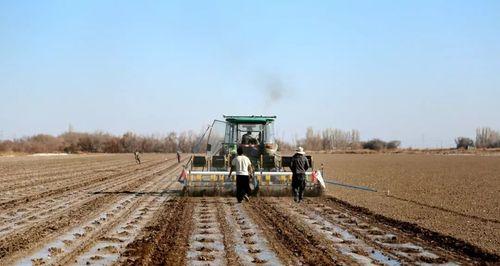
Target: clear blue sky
[{"x": 423, "y": 72}]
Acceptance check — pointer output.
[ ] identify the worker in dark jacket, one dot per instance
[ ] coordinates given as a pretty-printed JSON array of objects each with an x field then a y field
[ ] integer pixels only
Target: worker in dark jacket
[{"x": 299, "y": 166}]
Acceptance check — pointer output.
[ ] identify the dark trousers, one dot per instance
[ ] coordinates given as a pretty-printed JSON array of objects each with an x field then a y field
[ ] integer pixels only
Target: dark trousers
[
  {"x": 298, "y": 185},
  {"x": 242, "y": 187}
]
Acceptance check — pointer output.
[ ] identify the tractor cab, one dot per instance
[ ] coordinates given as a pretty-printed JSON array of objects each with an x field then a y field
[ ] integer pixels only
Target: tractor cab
[{"x": 255, "y": 134}]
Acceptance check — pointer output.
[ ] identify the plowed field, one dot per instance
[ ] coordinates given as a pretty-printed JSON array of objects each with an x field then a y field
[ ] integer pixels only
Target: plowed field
[
  {"x": 108, "y": 210},
  {"x": 455, "y": 195}
]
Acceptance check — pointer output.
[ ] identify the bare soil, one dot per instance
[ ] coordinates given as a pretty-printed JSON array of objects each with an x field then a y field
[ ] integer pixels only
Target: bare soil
[
  {"x": 455, "y": 195},
  {"x": 107, "y": 210},
  {"x": 164, "y": 239}
]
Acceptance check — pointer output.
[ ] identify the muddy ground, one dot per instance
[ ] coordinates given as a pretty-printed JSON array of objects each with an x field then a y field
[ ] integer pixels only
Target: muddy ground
[{"x": 107, "y": 210}]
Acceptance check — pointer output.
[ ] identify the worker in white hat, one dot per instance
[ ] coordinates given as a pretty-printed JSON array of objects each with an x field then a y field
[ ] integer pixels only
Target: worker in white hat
[{"x": 299, "y": 166}]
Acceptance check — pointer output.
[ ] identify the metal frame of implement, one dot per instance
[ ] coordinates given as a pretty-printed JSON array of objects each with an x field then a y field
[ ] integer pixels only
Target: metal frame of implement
[{"x": 217, "y": 183}]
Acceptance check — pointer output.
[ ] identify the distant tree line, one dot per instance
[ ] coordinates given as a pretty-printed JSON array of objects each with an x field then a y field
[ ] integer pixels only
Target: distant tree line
[
  {"x": 485, "y": 138},
  {"x": 75, "y": 142},
  {"x": 330, "y": 139},
  {"x": 336, "y": 139}
]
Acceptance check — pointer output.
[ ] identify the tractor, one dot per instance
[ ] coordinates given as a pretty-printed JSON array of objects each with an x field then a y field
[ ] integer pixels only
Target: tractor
[{"x": 207, "y": 174}]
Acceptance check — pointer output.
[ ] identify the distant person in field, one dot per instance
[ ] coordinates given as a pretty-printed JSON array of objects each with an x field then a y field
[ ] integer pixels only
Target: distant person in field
[
  {"x": 137, "y": 157},
  {"x": 178, "y": 157},
  {"x": 299, "y": 166},
  {"x": 243, "y": 168}
]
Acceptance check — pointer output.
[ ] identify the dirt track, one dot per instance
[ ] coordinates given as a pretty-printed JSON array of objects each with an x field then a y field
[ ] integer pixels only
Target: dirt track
[{"x": 105, "y": 210}]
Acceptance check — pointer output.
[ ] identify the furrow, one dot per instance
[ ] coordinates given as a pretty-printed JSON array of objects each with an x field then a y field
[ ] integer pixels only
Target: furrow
[
  {"x": 75, "y": 184},
  {"x": 249, "y": 242},
  {"x": 109, "y": 233},
  {"x": 165, "y": 240},
  {"x": 389, "y": 240},
  {"x": 37, "y": 211},
  {"x": 362, "y": 242},
  {"x": 33, "y": 181},
  {"x": 206, "y": 243},
  {"x": 294, "y": 239},
  {"x": 15, "y": 243}
]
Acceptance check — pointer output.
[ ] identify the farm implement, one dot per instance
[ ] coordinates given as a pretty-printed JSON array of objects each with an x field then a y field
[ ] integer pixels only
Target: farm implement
[{"x": 208, "y": 174}]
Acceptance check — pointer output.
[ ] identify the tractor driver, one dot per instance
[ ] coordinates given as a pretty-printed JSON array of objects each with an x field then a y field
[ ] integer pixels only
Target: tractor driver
[{"x": 247, "y": 138}]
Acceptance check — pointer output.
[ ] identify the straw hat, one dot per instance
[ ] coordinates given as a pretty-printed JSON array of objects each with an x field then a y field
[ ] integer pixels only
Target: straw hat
[{"x": 300, "y": 150}]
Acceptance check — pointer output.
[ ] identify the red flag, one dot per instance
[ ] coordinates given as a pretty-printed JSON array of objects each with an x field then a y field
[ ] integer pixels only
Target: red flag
[{"x": 314, "y": 177}]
